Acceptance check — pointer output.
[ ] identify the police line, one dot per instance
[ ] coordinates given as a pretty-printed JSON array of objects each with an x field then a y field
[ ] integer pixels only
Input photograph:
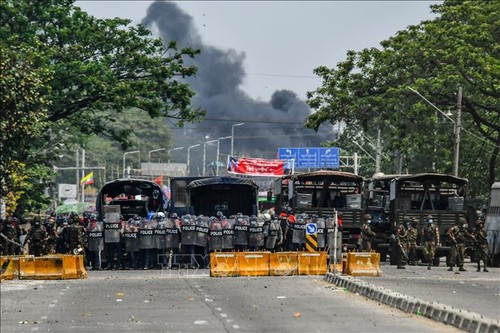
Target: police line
[{"x": 51, "y": 267}]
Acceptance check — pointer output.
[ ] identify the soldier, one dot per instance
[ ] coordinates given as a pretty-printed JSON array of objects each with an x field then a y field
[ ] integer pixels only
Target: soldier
[
  {"x": 9, "y": 240},
  {"x": 50, "y": 244},
  {"x": 430, "y": 238},
  {"x": 367, "y": 234},
  {"x": 401, "y": 241},
  {"x": 95, "y": 242},
  {"x": 75, "y": 237},
  {"x": 458, "y": 235},
  {"x": 412, "y": 233},
  {"x": 62, "y": 235},
  {"x": 36, "y": 238},
  {"x": 481, "y": 245}
]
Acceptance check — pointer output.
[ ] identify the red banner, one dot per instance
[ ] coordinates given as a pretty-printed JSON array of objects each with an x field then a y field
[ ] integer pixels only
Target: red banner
[{"x": 257, "y": 166}]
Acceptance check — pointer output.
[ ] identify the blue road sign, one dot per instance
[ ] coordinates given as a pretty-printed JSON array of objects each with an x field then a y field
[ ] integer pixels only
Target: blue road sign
[
  {"x": 312, "y": 157},
  {"x": 311, "y": 228}
]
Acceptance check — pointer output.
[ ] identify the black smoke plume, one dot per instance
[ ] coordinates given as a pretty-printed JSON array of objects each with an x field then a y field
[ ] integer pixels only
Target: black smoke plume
[{"x": 268, "y": 125}]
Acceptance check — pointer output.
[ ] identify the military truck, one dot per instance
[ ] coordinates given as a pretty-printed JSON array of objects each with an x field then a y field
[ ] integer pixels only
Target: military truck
[{"x": 323, "y": 192}]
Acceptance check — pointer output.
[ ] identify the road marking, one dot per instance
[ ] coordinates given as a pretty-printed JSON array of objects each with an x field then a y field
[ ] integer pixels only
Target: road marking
[
  {"x": 223, "y": 315},
  {"x": 281, "y": 297},
  {"x": 43, "y": 317},
  {"x": 236, "y": 327},
  {"x": 35, "y": 329},
  {"x": 218, "y": 309},
  {"x": 200, "y": 322}
]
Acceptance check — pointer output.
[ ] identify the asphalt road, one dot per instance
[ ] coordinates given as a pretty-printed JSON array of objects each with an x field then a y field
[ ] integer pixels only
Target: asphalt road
[{"x": 187, "y": 301}]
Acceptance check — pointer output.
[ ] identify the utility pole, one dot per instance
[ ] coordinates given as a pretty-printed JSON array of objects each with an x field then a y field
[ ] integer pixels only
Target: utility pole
[
  {"x": 378, "y": 150},
  {"x": 456, "y": 143}
]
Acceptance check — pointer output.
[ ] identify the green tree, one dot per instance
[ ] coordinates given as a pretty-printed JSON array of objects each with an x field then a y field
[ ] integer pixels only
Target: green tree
[
  {"x": 63, "y": 69},
  {"x": 370, "y": 90}
]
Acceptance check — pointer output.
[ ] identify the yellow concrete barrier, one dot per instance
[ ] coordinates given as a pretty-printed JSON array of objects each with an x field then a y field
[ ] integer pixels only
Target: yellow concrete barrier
[
  {"x": 283, "y": 263},
  {"x": 363, "y": 264},
  {"x": 53, "y": 267},
  {"x": 9, "y": 267},
  {"x": 253, "y": 263},
  {"x": 312, "y": 263},
  {"x": 80, "y": 267},
  {"x": 223, "y": 264}
]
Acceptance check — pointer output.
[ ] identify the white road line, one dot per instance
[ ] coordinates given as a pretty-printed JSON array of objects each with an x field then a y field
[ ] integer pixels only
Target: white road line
[
  {"x": 43, "y": 317},
  {"x": 236, "y": 327},
  {"x": 223, "y": 315}
]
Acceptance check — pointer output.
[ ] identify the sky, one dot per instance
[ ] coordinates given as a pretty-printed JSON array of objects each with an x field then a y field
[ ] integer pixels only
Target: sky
[
  {"x": 283, "y": 41},
  {"x": 257, "y": 62}
]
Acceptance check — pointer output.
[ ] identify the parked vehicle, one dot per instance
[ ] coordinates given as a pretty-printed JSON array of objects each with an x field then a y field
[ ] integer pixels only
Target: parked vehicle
[{"x": 492, "y": 224}]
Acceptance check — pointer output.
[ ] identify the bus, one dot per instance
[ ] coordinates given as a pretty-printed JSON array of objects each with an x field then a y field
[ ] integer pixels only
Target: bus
[{"x": 321, "y": 193}]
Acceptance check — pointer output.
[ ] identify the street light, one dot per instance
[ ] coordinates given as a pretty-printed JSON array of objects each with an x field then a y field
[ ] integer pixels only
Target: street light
[
  {"x": 149, "y": 158},
  {"x": 125, "y": 154},
  {"x": 205, "y": 154},
  {"x": 232, "y": 136},
  {"x": 457, "y": 125},
  {"x": 218, "y": 151},
  {"x": 188, "y": 155},
  {"x": 171, "y": 150}
]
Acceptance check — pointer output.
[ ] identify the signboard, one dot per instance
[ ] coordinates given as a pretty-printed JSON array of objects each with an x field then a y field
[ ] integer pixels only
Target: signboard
[
  {"x": 312, "y": 157},
  {"x": 258, "y": 166},
  {"x": 67, "y": 191},
  {"x": 311, "y": 229}
]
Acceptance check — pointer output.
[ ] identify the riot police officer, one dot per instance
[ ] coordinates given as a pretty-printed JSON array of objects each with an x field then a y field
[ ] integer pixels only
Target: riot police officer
[
  {"x": 146, "y": 242},
  {"x": 215, "y": 236},
  {"x": 241, "y": 223},
  {"x": 172, "y": 239},
  {"x": 95, "y": 242},
  {"x": 201, "y": 241},
  {"x": 131, "y": 241},
  {"x": 227, "y": 234},
  {"x": 321, "y": 224},
  {"x": 113, "y": 227},
  {"x": 272, "y": 232},
  {"x": 255, "y": 233},
  {"x": 299, "y": 232},
  {"x": 188, "y": 239},
  {"x": 160, "y": 234}
]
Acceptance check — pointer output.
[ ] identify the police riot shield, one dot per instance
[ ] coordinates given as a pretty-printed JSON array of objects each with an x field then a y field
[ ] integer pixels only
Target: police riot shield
[
  {"x": 256, "y": 232},
  {"x": 202, "y": 230},
  {"x": 188, "y": 230},
  {"x": 112, "y": 226},
  {"x": 272, "y": 234},
  {"x": 330, "y": 238},
  {"x": 241, "y": 224},
  {"x": 330, "y": 230},
  {"x": 95, "y": 236},
  {"x": 299, "y": 230},
  {"x": 160, "y": 233},
  {"x": 215, "y": 235},
  {"x": 172, "y": 234},
  {"x": 146, "y": 234},
  {"x": 131, "y": 236},
  {"x": 227, "y": 234},
  {"x": 320, "y": 222}
]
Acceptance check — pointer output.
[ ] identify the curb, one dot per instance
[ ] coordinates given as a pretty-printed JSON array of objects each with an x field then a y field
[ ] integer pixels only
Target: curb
[{"x": 467, "y": 321}]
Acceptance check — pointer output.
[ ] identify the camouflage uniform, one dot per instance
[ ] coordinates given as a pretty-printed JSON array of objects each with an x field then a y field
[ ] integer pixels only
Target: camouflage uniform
[
  {"x": 367, "y": 234},
  {"x": 412, "y": 234},
  {"x": 458, "y": 236},
  {"x": 481, "y": 245},
  {"x": 9, "y": 238},
  {"x": 401, "y": 242},
  {"x": 36, "y": 238},
  {"x": 50, "y": 244},
  {"x": 430, "y": 238}
]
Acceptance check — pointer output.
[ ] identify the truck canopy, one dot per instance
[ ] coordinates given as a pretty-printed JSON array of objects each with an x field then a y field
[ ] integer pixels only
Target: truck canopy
[{"x": 230, "y": 195}]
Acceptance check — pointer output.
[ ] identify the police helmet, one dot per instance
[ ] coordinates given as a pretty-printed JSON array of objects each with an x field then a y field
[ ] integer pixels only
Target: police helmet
[
  {"x": 275, "y": 216},
  {"x": 137, "y": 218},
  {"x": 174, "y": 216},
  {"x": 160, "y": 215},
  {"x": 267, "y": 217},
  {"x": 367, "y": 217},
  {"x": 289, "y": 210}
]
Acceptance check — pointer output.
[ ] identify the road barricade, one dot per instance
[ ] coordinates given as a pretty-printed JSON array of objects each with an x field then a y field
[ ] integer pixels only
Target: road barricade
[
  {"x": 223, "y": 264},
  {"x": 52, "y": 267},
  {"x": 9, "y": 267},
  {"x": 283, "y": 263},
  {"x": 363, "y": 264},
  {"x": 312, "y": 263},
  {"x": 253, "y": 263}
]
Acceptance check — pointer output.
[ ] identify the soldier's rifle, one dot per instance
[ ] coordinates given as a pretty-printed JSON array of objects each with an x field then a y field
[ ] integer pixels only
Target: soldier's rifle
[{"x": 10, "y": 240}]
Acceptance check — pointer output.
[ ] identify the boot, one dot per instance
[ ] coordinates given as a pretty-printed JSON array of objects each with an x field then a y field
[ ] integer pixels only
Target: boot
[
  {"x": 450, "y": 269},
  {"x": 401, "y": 267},
  {"x": 429, "y": 267},
  {"x": 485, "y": 270},
  {"x": 462, "y": 269}
]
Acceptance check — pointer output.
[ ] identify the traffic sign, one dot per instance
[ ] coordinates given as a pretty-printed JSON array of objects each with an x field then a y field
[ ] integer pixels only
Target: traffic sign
[
  {"x": 311, "y": 229},
  {"x": 311, "y": 157}
]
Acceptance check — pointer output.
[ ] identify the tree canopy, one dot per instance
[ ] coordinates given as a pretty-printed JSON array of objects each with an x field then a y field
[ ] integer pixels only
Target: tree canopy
[
  {"x": 377, "y": 88},
  {"x": 64, "y": 68}
]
